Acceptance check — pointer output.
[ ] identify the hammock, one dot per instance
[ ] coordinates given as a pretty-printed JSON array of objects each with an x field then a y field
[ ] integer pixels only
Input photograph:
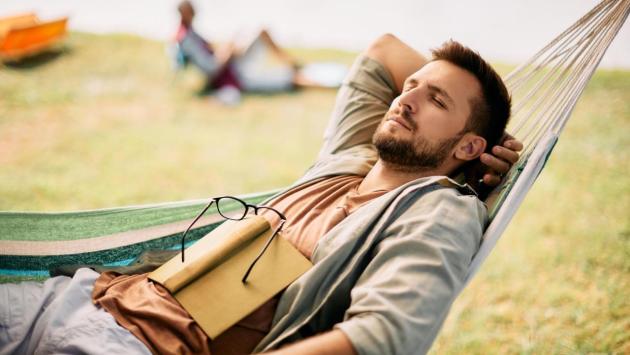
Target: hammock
[{"x": 545, "y": 90}]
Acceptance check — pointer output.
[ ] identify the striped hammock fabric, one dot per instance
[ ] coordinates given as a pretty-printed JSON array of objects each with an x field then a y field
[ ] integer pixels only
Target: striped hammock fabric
[
  {"x": 545, "y": 90},
  {"x": 32, "y": 243}
]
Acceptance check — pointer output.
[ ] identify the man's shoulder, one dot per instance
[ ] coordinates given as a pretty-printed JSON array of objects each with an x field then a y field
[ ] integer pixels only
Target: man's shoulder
[
  {"x": 444, "y": 202},
  {"x": 442, "y": 218}
]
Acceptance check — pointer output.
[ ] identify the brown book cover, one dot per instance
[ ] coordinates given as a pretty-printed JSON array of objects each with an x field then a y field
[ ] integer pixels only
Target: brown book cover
[{"x": 208, "y": 284}]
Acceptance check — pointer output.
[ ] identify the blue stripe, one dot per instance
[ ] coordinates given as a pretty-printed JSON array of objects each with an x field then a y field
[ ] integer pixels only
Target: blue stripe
[{"x": 33, "y": 273}]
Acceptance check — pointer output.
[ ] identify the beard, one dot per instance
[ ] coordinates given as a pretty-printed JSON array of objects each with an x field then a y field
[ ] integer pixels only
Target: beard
[{"x": 413, "y": 156}]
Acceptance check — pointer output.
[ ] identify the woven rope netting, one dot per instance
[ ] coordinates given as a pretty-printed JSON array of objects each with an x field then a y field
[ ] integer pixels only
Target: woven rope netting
[{"x": 546, "y": 88}]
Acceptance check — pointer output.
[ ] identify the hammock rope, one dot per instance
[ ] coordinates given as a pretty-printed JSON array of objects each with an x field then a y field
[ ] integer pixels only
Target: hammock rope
[
  {"x": 567, "y": 64},
  {"x": 545, "y": 90}
]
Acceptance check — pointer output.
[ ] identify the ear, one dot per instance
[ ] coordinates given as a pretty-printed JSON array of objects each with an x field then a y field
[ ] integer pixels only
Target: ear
[{"x": 470, "y": 147}]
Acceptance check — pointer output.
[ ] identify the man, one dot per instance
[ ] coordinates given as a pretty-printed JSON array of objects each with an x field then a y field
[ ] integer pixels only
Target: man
[
  {"x": 393, "y": 291},
  {"x": 389, "y": 234},
  {"x": 230, "y": 70},
  {"x": 191, "y": 47}
]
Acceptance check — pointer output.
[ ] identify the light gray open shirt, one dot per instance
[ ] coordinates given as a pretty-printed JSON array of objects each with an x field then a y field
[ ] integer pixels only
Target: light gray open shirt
[{"x": 388, "y": 273}]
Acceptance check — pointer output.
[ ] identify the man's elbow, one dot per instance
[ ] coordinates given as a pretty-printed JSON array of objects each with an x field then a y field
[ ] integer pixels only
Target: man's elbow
[
  {"x": 379, "y": 48},
  {"x": 399, "y": 59}
]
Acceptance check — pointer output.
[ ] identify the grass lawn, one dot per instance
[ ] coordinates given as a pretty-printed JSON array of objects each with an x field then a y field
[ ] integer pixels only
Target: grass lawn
[{"x": 107, "y": 123}]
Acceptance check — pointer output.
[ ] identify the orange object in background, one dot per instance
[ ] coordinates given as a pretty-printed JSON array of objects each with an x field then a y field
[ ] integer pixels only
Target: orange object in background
[{"x": 24, "y": 35}]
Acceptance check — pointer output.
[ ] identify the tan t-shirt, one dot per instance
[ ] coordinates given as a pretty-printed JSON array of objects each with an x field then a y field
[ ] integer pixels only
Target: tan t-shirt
[{"x": 154, "y": 316}]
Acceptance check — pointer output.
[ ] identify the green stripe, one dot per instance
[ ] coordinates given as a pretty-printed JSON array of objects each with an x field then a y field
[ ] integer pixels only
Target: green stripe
[
  {"x": 28, "y": 226},
  {"x": 114, "y": 255}
]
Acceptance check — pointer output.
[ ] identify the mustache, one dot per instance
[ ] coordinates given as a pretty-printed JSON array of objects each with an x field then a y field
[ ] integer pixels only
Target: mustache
[{"x": 405, "y": 115}]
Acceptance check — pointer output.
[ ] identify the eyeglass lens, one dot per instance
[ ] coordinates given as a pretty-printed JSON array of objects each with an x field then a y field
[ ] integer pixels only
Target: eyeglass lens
[{"x": 231, "y": 208}]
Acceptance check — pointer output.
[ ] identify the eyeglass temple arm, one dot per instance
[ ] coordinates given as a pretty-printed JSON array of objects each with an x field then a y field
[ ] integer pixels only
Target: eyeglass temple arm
[
  {"x": 251, "y": 266},
  {"x": 192, "y": 224}
]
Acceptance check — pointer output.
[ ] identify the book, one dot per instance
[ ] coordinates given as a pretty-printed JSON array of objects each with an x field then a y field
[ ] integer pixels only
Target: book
[{"x": 208, "y": 284}]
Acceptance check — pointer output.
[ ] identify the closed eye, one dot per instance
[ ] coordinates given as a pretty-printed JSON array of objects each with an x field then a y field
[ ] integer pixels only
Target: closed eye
[{"x": 438, "y": 102}]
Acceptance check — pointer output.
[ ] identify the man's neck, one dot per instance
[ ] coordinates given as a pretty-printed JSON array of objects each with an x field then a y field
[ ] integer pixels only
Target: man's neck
[{"x": 384, "y": 176}]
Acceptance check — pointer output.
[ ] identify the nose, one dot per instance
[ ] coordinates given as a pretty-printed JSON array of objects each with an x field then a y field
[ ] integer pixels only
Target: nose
[{"x": 408, "y": 100}]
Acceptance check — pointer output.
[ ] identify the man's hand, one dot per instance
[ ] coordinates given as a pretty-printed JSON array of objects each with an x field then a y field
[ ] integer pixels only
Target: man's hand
[{"x": 501, "y": 160}]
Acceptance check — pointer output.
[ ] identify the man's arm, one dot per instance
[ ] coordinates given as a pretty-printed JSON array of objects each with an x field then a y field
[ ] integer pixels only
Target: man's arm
[
  {"x": 334, "y": 342},
  {"x": 398, "y": 58},
  {"x": 367, "y": 92}
]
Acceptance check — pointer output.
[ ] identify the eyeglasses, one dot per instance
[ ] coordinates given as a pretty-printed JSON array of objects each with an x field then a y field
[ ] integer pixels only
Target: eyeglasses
[{"x": 235, "y": 209}]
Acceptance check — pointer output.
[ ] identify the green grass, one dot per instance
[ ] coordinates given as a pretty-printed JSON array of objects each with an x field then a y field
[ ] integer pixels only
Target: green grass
[{"x": 107, "y": 123}]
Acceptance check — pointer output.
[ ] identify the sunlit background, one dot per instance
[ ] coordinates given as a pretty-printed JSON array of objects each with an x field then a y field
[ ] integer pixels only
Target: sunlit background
[
  {"x": 508, "y": 31},
  {"x": 105, "y": 121}
]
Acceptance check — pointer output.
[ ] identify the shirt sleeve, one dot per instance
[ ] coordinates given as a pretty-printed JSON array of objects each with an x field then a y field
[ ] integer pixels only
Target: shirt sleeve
[
  {"x": 404, "y": 294},
  {"x": 361, "y": 103}
]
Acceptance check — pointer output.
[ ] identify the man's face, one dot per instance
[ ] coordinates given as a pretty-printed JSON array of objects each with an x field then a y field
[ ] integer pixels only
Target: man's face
[{"x": 425, "y": 123}]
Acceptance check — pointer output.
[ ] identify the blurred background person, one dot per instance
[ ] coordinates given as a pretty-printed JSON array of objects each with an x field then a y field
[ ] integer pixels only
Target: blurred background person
[{"x": 259, "y": 66}]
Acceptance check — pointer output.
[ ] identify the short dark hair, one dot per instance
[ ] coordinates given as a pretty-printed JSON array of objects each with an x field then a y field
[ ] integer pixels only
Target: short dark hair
[
  {"x": 186, "y": 4},
  {"x": 490, "y": 113}
]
